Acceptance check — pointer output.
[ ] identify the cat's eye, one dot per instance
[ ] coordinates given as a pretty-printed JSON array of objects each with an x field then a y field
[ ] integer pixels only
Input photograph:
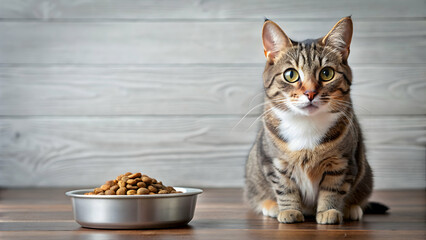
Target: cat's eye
[
  {"x": 326, "y": 74},
  {"x": 291, "y": 75}
]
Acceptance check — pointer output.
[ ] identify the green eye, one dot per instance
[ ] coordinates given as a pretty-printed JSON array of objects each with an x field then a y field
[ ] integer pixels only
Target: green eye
[
  {"x": 291, "y": 75},
  {"x": 326, "y": 74}
]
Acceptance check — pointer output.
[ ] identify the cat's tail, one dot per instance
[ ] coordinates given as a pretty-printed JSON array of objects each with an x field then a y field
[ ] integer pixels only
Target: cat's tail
[{"x": 375, "y": 208}]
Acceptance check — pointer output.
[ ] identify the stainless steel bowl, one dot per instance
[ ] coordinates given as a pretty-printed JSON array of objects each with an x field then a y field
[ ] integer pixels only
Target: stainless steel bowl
[{"x": 134, "y": 211}]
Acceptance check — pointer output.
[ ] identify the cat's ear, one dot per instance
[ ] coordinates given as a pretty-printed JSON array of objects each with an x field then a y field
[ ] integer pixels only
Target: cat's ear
[
  {"x": 340, "y": 36},
  {"x": 274, "y": 40}
]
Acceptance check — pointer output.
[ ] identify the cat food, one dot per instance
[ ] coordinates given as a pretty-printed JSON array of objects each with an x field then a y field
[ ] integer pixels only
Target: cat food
[{"x": 133, "y": 184}]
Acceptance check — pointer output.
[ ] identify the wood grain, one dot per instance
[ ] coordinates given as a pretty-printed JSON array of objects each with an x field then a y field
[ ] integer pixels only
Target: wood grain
[
  {"x": 186, "y": 90},
  {"x": 194, "y": 42},
  {"x": 210, "y": 9},
  {"x": 219, "y": 214},
  {"x": 187, "y": 151}
]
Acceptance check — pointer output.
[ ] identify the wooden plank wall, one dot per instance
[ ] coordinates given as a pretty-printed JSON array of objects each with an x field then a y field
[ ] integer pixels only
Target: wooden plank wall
[{"x": 90, "y": 89}]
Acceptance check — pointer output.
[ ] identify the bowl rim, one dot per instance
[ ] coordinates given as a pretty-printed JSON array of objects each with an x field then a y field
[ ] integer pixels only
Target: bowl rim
[{"x": 79, "y": 193}]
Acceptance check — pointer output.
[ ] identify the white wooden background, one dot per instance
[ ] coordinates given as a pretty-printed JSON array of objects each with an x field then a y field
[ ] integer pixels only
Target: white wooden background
[{"x": 90, "y": 89}]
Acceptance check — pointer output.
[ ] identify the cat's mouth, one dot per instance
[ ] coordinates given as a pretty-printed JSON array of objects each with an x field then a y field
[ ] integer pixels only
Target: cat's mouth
[{"x": 310, "y": 108}]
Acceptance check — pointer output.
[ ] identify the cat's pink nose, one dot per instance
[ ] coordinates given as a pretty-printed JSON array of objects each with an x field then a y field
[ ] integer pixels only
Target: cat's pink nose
[{"x": 310, "y": 94}]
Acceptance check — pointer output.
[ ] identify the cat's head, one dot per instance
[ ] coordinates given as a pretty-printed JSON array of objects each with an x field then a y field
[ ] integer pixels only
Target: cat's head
[{"x": 309, "y": 77}]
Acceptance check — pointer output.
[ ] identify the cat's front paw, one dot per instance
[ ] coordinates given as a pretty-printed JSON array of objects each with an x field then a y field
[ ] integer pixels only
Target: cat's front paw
[
  {"x": 331, "y": 216},
  {"x": 290, "y": 216},
  {"x": 270, "y": 208},
  {"x": 354, "y": 213}
]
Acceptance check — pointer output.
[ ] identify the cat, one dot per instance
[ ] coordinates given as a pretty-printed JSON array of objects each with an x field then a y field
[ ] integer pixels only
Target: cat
[{"x": 309, "y": 156}]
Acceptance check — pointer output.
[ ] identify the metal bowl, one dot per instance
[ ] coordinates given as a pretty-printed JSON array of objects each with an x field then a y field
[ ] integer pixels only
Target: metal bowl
[{"x": 134, "y": 211}]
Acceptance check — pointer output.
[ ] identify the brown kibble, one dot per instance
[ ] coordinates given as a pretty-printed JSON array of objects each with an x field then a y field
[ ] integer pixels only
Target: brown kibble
[
  {"x": 147, "y": 180},
  {"x": 159, "y": 186},
  {"x": 131, "y": 181},
  {"x": 109, "y": 192},
  {"x": 121, "y": 183},
  {"x": 142, "y": 191},
  {"x": 135, "y": 175},
  {"x": 152, "y": 189},
  {"x": 141, "y": 184},
  {"x": 121, "y": 191},
  {"x": 128, "y": 186},
  {"x": 131, "y": 184},
  {"x": 131, "y": 192}
]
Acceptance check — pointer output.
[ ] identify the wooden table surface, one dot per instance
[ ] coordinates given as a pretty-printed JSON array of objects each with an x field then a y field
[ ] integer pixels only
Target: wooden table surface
[{"x": 220, "y": 214}]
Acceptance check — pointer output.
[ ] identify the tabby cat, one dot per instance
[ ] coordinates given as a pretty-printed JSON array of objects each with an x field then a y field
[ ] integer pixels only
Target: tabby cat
[{"x": 309, "y": 155}]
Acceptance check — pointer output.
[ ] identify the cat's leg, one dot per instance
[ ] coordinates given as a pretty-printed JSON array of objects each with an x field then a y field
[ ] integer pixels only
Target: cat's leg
[
  {"x": 287, "y": 194},
  {"x": 333, "y": 190}
]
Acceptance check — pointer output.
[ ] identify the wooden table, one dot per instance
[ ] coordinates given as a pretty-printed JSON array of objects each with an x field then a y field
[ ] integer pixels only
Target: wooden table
[{"x": 220, "y": 214}]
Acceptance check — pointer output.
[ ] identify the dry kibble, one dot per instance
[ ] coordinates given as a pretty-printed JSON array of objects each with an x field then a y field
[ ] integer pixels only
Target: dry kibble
[
  {"x": 131, "y": 192},
  {"x": 132, "y": 184},
  {"x": 147, "y": 180},
  {"x": 97, "y": 190},
  {"x": 142, "y": 191},
  {"x": 135, "y": 175},
  {"x": 152, "y": 189},
  {"x": 105, "y": 187},
  {"x": 121, "y": 191},
  {"x": 158, "y": 186},
  {"x": 131, "y": 181},
  {"x": 109, "y": 192},
  {"x": 128, "y": 186},
  {"x": 121, "y": 183}
]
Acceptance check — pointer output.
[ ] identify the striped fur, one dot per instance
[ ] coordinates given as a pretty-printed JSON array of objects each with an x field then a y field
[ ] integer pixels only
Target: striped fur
[{"x": 309, "y": 155}]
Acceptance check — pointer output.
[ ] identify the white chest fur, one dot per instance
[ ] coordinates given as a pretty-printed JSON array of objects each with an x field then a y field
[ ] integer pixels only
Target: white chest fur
[{"x": 304, "y": 132}]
